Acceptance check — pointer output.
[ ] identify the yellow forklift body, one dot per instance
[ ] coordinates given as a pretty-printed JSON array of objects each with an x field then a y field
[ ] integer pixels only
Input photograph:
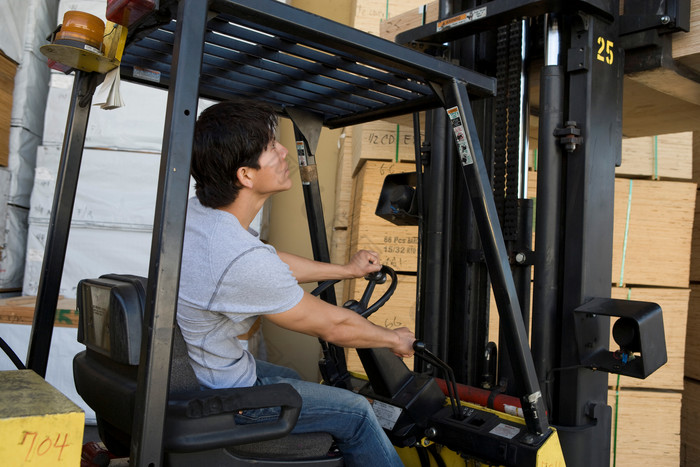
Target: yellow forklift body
[{"x": 39, "y": 426}]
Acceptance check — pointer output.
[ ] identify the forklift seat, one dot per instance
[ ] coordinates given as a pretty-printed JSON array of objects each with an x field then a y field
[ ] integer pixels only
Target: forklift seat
[{"x": 199, "y": 427}]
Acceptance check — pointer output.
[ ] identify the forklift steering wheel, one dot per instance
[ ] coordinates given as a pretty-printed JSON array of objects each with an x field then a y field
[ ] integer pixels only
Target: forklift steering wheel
[{"x": 361, "y": 307}]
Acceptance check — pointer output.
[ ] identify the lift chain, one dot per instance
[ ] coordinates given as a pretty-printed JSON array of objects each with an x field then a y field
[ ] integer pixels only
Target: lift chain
[{"x": 507, "y": 127}]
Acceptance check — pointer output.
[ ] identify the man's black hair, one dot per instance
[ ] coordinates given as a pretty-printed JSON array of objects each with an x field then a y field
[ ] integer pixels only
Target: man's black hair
[{"x": 227, "y": 136}]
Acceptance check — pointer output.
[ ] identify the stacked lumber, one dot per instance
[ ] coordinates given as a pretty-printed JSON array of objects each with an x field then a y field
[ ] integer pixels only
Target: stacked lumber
[
  {"x": 20, "y": 310},
  {"x": 369, "y": 15},
  {"x": 690, "y": 430},
  {"x": 652, "y": 232},
  {"x": 8, "y": 68},
  {"x": 658, "y": 157},
  {"x": 652, "y": 236},
  {"x": 646, "y": 427},
  {"x": 653, "y": 218},
  {"x": 663, "y": 91},
  {"x": 366, "y": 154},
  {"x": 397, "y": 245},
  {"x": 382, "y": 140},
  {"x": 409, "y": 19}
]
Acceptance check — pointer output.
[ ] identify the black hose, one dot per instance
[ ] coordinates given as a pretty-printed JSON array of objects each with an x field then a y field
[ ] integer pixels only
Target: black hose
[{"x": 13, "y": 356}]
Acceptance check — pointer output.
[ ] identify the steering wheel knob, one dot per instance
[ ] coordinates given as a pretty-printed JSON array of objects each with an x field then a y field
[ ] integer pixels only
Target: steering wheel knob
[{"x": 378, "y": 277}]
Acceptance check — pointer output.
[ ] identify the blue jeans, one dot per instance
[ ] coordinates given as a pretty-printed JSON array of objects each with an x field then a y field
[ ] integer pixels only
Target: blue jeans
[{"x": 347, "y": 416}]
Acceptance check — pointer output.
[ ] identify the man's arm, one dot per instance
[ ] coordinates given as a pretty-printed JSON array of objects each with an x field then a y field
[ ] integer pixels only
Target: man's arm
[
  {"x": 307, "y": 270},
  {"x": 342, "y": 327}
]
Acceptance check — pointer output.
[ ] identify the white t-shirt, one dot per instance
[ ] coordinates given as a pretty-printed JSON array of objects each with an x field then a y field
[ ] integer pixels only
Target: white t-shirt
[{"x": 228, "y": 278}]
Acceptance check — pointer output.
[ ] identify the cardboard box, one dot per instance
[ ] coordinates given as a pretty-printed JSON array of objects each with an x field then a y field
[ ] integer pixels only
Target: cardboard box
[
  {"x": 397, "y": 245},
  {"x": 409, "y": 20},
  {"x": 368, "y": 15},
  {"x": 382, "y": 140}
]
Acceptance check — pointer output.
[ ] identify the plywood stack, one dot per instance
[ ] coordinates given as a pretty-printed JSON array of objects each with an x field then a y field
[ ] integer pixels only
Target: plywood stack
[
  {"x": 397, "y": 246},
  {"x": 8, "y": 68},
  {"x": 659, "y": 91},
  {"x": 366, "y": 154},
  {"x": 653, "y": 217},
  {"x": 690, "y": 431}
]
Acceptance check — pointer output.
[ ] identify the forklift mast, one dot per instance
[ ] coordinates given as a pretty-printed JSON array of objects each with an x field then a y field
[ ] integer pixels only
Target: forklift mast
[
  {"x": 471, "y": 171},
  {"x": 579, "y": 51}
]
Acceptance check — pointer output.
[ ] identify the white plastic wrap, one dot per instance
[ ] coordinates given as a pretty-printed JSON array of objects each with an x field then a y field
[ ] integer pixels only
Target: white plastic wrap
[
  {"x": 136, "y": 126},
  {"x": 13, "y": 252},
  {"x": 31, "y": 80},
  {"x": 112, "y": 216},
  {"x": 94, "y": 7},
  {"x": 22, "y": 161},
  {"x": 115, "y": 188},
  {"x": 13, "y": 14},
  {"x": 91, "y": 252},
  {"x": 5, "y": 176}
]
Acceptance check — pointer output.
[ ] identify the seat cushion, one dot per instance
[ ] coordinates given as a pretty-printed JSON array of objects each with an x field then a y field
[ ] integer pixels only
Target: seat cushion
[{"x": 293, "y": 446}]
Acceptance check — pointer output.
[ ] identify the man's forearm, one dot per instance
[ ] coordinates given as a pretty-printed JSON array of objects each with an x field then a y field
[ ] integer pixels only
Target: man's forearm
[{"x": 307, "y": 270}]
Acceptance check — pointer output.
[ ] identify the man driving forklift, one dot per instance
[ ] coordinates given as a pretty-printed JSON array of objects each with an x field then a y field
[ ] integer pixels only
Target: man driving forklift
[{"x": 229, "y": 278}]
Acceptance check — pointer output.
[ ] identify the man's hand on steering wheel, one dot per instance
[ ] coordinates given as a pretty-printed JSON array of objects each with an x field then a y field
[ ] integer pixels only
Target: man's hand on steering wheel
[{"x": 363, "y": 262}]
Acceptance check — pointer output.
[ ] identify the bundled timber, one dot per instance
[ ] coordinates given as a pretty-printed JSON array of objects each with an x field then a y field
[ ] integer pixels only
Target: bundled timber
[
  {"x": 648, "y": 427},
  {"x": 8, "y": 68},
  {"x": 396, "y": 245},
  {"x": 664, "y": 157},
  {"x": 20, "y": 310},
  {"x": 652, "y": 232}
]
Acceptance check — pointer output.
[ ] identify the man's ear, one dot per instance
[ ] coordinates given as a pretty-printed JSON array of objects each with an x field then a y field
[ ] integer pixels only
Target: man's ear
[{"x": 245, "y": 176}]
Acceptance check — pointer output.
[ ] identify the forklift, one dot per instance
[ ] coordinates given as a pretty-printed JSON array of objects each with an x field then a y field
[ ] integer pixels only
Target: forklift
[{"x": 541, "y": 400}]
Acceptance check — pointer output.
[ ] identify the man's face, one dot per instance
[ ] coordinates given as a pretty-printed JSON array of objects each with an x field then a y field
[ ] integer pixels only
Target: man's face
[{"x": 273, "y": 175}]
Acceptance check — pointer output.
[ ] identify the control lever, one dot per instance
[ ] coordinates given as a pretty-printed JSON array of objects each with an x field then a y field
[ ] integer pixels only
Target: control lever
[{"x": 422, "y": 351}]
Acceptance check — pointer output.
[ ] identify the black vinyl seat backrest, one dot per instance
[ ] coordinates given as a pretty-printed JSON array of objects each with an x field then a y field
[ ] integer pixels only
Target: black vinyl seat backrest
[{"x": 111, "y": 321}]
